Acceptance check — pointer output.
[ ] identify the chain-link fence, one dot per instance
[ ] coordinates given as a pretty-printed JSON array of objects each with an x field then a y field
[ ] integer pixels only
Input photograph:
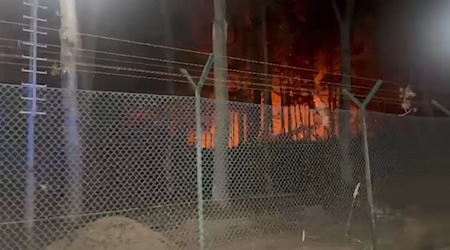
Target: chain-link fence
[{"x": 138, "y": 160}]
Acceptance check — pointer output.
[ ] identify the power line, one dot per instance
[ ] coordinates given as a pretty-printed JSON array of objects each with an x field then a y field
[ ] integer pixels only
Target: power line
[
  {"x": 201, "y": 66},
  {"x": 118, "y": 68},
  {"x": 282, "y": 90},
  {"x": 27, "y": 25},
  {"x": 289, "y": 88},
  {"x": 198, "y": 65},
  {"x": 17, "y": 56},
  {"x": 259, "y": 86},
  {"x": 205, "y": 53},
  {"x": 231, "y": 57},
  {"x": 94, "y": 57},
  {"x": 104, "y": 73}
]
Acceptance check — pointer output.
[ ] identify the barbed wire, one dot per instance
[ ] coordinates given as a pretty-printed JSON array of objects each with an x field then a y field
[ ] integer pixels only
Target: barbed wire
[
  {"x": 120, "y": 68},
  {"x": 120, "y": 54},
  {"x": 286, "y": 88},
  {"x": 267, "y": 80},
  {"x": 203, "y": 53},
  {"x": 262, "y": 86},
  {"x": 166, "y": 61},
  {"x": 99, "y": 58},
  {"x": 210, "y": 82}
]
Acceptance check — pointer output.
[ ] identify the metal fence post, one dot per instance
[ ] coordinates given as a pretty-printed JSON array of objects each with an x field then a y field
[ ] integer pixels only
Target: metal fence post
[
  {"x": 32, "y": 111},
  {"x": 440, "y": 107},
  {"x": 362, "y": 109},
  {"x": 198, "y": 124}
]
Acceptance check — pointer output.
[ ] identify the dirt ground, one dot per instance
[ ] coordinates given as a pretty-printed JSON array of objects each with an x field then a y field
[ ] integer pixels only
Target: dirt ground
[
  {"x": 283, "y": 243},
  {"x": 393, "y": 233},
  {"x": 264, "y": 234},
  {"x": 414, "y": 234},
  {"x": 113, "y": 233},
  {"x": 399, "y": 232}
]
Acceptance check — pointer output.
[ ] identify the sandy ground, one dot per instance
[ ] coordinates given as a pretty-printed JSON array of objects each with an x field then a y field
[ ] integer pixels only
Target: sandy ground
[
  {"x": 404, "y": 232},
  {"x": 113, "y": 233},
  {"x": 411, "y": 233},
  {"x": 248, "y": 234},
  {"x": 285, "y": 243}
]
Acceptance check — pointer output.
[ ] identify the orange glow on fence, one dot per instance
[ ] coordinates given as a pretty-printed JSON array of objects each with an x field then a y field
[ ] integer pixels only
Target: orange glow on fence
[
  {"x": 295, "y": 121},
  {"x": 298, "y": 122},
  {"x": 276, "y": 114},
  {"x": 234, "y": 132}
]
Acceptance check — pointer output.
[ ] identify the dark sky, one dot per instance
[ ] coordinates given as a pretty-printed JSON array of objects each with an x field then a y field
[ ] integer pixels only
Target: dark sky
[{"x": 412, "y": 37}]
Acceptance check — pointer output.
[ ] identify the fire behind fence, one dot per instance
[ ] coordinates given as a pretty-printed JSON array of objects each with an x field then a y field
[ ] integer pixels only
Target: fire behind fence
[{"x": 144, "y": 168}]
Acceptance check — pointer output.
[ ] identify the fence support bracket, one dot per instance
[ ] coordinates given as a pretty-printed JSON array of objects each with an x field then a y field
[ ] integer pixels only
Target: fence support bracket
[
  {"x": 362, "y": 109},
  {"x": 198, "y": 124},
  {"x": 440, "y": 107}
]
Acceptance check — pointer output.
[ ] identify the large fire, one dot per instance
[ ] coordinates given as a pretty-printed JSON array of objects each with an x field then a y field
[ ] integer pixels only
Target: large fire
[{"x": 294, "y": 121}]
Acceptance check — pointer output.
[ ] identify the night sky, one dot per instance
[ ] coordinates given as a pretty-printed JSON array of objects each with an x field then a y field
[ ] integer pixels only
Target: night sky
[{"x": 404, "y": 41}]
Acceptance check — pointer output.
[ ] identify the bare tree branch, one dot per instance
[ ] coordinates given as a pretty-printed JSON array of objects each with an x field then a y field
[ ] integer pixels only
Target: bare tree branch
[{"x": 337, "y": 11}]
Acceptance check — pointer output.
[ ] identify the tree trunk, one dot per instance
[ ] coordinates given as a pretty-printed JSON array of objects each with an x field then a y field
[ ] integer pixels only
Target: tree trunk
[
  {"x": 168, "y": 41},
  {"x": 282, "y": 101},
  {"x": 69, "y": 46},
  {"x": 344, "y": 20},
  {"x": 255, "y": 53},
  {"x": 308, "y": 137},
  {"x": 171, "y": 90},
  {"x": 248, "y": 50},
  {"x": 267, "y": 108},
  {"x": 345, "y": 135},
  {"x": 332, "y": 107},
  {"x": 241, "y": 125},
  {"x": 289, "y": 118},
  {"x": 221, "y": 110},
  {"x": 346, "y": 62}
]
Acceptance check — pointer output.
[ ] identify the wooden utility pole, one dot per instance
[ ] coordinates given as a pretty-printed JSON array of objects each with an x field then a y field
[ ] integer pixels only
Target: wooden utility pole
[{"x": 221, "y": 114}]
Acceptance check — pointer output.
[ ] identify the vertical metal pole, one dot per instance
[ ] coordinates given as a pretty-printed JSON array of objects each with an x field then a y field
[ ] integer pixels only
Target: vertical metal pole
[
  {"x": 368, "y": 176},
  {"x": 31, "y": 181},
  {"x": 221, "y": 113},
  {"x": 198, "y": 127},
  {"x": 30, "y": 178},
  {"x": 32, "y": 112},
  {"x": 69, "y": 44}
]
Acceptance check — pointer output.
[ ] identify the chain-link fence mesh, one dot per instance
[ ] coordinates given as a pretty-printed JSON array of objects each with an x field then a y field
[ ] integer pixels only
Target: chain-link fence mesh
[
  {"x": 410, "y": 172},
  {"x": 138, "y": 157}
]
